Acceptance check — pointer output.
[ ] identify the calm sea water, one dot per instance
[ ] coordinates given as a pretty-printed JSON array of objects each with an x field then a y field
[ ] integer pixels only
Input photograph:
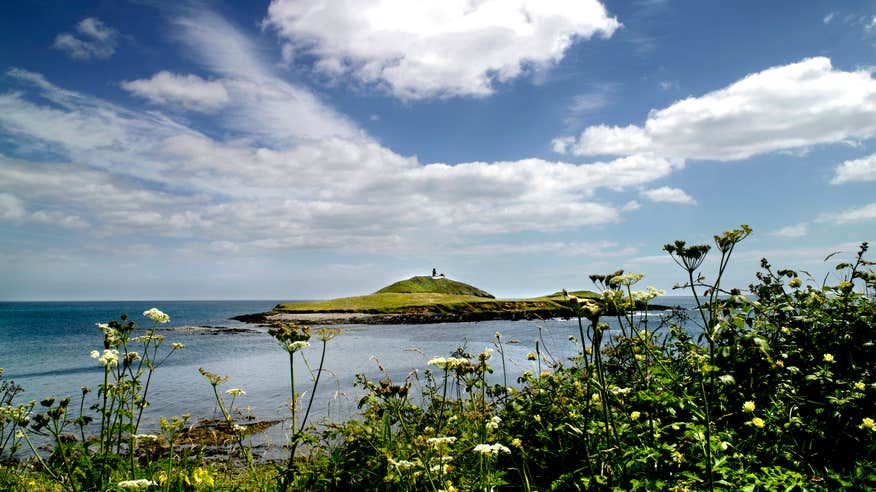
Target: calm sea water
[{"x": 45, "y": 346}]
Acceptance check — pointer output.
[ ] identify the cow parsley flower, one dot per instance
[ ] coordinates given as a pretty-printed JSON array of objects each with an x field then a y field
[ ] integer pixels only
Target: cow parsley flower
[
  {"x": 491, "y": 449},
  {"x": 140, "y": 484},
  {"x": 156, "y": 315}
]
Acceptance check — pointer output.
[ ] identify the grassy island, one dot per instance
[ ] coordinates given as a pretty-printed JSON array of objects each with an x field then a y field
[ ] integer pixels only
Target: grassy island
[{"x": 424, "y": 299}]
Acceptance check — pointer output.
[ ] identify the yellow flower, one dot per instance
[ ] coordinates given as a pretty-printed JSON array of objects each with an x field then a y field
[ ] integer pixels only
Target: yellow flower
[
  {"x": 795, "y": 282},
  {"x": 748, "y": 407},
  {"x": 758, "y": 422},
  {"x": 531, "y": 356},
  {"x": 595, "y": 398},
  {"x": 201, "y": 475},
  {"x": 635, "y": 415},
  {"x": 828, "y": 358},
  {"x": 868, "y": 423},
  {"x": 860, "y": 386},
  {"x": 517, "y": 443}
]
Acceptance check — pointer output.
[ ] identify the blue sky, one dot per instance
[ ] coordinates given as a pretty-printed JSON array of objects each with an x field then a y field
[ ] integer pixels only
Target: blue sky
[{"x": 320, "y": 148}]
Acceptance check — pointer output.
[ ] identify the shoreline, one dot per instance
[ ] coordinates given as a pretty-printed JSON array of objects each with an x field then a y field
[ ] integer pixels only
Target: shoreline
[{"x": 416, "y": 317}]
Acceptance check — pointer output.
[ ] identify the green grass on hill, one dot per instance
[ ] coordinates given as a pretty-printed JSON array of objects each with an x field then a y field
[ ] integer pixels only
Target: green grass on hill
[
  {"x": 421, "y": 302},
  {"x": 434, "y": 285}
]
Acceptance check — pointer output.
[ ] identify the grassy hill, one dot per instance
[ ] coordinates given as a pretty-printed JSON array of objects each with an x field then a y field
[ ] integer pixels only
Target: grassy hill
[
  {"x": 426, "y": 296},
  {"x": 434, "y": 285}
]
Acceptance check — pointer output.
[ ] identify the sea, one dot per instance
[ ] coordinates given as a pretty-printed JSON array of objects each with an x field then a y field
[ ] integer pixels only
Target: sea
[{"x": 45, "y": 348}]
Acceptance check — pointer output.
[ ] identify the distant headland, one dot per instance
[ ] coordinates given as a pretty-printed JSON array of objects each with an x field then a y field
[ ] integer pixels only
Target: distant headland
[{"x": 419, "y": 300}]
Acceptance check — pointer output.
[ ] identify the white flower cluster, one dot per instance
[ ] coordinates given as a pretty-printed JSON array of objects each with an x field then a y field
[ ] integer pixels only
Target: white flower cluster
[
  {"x": 156, "y": 315},
  {"x": 295, "y": 346},
  {"x": 492, "y": 449},
  {"x": 235, "y": 392},
  {"x": 110, "y": 357},
  {"x": 401, "y": 464},
  {"x": 647, "y": 294},
  {"x": 145, "y": 437},
  {"x": 627, "y": 279},
  {"x": 447, "y": 363},
  {"x": 438, "y": 441},
  {"x": 494, "y": 422},
  {"x": 140, "y": 484}
]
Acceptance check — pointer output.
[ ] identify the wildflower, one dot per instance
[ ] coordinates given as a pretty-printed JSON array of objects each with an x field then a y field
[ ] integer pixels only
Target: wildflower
[
  {"x": 724, "y": 445},
  {"x": 145, "y": 437},
  {"x": 498, "y": 336},
  {"x": 202, "y": 476},
  {"x": 795, "y": 282},
  {"x": 531, "y": 356},
  {"x": 828, "y": 358},
  {"x": 517, "y": 443},
  {"x": 748, "y": 407},
  {"x": 493, "y": 424},
  {"x": 626, "y": 279},
  {"x": 235, "y": 392},
  {"x": 545, "y": 373},
  {"x": 135, "y": 484},
  {"x": 110, "y": 357},
  {"x": 727, "y": 379},
  {"x": 867, "y": 423},
  {"x": 779, "y": 364},
  {"x": 491, "y": 449},
  {"x": 785, "y": 330},
  {"x": 444, "y": 468},
  {"x": 439, "y": 362},
  {"x": 634, "y": 415},
  {"x": 620, "y": 391},
  {"x": 294, "y": 346},
  {"x": 103, "y": 327},
  {"x": 401, "y": 464},
  {"x": 860, "y": 386},
  {"x": 177, "y": 345},
  {"x": 438, "y": 441},
  {"x": 486, "y": 354},
  {"x": 238, "y": 429},
  {"x": 595, "y": 398},
  {"x": 156, "y": 315},
  {"x": 537, "y": 418},
  {"x": 326, "y": 334},
  {"x": 758, "y": 422},
  {"x": 677, "y": 457}
]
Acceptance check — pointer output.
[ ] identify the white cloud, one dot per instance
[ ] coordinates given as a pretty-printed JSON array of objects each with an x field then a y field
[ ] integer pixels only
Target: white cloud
[
  {"x": 261, "y": 104},
  {"x": 341, "y": 193},
  {"x": 858, "y": 214},
  {"x": 792, "y": 231},
  {"x": 190, "y": 91},
  {"x": 782, "y": 108},
  {"x": 11, "y": 208},
  {"x": 827, "y": 18},
  {"x": 857, "y": 170},
  {"x": 95, "y": 40},
  {"x": 668, "y": 195},
  {"x": 425, "y": 49}
]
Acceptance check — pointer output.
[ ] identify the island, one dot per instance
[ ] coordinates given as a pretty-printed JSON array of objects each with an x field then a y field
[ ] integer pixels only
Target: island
[{"x": 420, "y": 300}]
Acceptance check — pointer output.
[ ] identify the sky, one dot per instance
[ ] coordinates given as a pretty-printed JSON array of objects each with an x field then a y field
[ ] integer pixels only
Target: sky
[{"x": 306, "y": 149}]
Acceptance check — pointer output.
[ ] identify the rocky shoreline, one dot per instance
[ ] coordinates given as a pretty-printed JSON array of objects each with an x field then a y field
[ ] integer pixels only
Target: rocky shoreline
[{"x": 415, "y": 317}]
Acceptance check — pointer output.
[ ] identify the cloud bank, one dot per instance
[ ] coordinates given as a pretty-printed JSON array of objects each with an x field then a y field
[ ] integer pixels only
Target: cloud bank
[{"x": 436, "y": 47}]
